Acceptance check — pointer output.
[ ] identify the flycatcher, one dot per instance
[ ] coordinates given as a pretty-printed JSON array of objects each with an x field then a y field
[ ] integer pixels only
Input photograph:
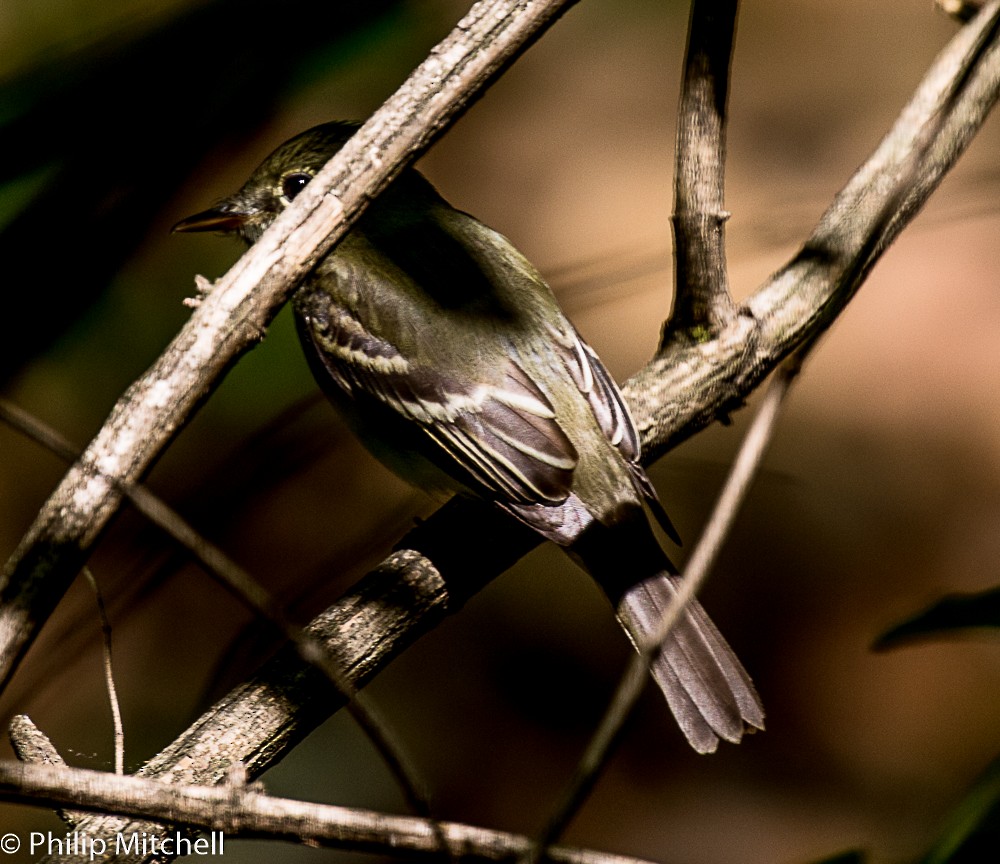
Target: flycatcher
[{"x": 449, "y": 356}]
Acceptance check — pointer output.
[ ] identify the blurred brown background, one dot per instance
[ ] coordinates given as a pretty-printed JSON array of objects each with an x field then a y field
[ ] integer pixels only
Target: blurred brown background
[{"x": 881, "y": 492}]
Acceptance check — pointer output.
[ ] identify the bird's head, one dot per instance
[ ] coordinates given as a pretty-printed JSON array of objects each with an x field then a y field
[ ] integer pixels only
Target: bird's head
[{"x": 273, "y": 185}]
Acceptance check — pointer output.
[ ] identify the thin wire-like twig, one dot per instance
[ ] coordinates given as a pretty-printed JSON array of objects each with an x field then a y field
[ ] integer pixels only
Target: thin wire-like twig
[
  {"x": 109, "y": 674},
  {"x": 636, "y": 674}
]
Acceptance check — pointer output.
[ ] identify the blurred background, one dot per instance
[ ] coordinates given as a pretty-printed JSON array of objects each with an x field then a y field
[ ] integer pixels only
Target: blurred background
[{"x": 881, "y": 491}]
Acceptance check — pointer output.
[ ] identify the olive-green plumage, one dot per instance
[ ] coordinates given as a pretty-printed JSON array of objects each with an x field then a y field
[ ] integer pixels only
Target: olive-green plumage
[{"x": 450, "y": 357}]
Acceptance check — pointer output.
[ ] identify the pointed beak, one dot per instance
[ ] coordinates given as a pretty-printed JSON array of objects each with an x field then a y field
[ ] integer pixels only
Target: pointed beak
[{"x": 217, "y": 219}]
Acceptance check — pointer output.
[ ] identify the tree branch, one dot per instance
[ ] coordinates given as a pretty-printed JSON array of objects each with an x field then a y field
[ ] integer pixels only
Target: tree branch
[
  {"x": 702, "y": 283},
  {"x": 240, "y": 811},
  {"x": 237, "y": 311},
  {"x": 30, "y": 744}
]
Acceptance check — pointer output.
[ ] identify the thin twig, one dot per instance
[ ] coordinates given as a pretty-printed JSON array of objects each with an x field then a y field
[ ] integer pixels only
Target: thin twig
[
  {"x": 588, "y": 767},
  {"x": 109, "y": 675},
  {"x": 636, "y": 674},
  {"x": 741, "y": 475},
  {"x": 240, "y": 811}
]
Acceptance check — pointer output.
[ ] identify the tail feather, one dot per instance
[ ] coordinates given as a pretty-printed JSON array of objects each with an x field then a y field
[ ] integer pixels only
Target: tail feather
[
  {"x": 740, "y": 684},
  {"x": 706, "y": 687}
]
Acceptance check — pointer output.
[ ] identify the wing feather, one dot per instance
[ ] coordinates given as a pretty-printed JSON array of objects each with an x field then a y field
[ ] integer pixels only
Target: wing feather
[
  {"x": 611, "y": 413},
  {"x": 502, "y": 437},
  {"x": 595, "y": 382}
]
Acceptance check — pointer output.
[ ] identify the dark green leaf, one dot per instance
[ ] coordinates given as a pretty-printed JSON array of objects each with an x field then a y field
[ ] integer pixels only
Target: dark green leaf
[{"x": 953, "y": 612}]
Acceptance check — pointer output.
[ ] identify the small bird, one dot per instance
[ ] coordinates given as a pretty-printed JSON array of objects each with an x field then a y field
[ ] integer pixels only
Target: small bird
[{"x": 449, "y": 356}]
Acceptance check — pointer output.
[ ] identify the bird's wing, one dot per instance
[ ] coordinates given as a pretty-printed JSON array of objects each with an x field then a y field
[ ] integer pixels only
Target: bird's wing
[
  {"x": 500, "y": 438},
  {"x": 602, "y": 393},
  {"x": 609, "y": 409}
]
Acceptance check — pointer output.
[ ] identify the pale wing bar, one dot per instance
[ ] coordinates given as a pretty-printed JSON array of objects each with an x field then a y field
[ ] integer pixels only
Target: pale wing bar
[{"x": 505, "y": 437}]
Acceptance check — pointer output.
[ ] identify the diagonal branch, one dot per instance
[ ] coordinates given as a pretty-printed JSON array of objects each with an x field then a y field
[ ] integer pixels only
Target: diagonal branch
[
  {"x": 237, "y": 311},
  {"x": 702, "y": 284}
]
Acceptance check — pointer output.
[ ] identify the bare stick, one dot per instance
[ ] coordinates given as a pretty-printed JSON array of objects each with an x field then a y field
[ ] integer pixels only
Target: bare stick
[
  {"x": 243, "y": 812},
  {"x": 702, "y": 302},
  {"x": 235, "y": 313},
  {"x": 109, "y": 676},
  {"x": 734, "y": 492}
]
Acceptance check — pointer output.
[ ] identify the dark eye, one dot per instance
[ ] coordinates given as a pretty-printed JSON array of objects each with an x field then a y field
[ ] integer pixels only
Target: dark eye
[{"x": 293, "y": 184}]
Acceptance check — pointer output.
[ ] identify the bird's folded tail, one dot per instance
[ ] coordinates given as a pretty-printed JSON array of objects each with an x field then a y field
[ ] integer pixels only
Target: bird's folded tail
[{"x": 708, "y": 690}]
